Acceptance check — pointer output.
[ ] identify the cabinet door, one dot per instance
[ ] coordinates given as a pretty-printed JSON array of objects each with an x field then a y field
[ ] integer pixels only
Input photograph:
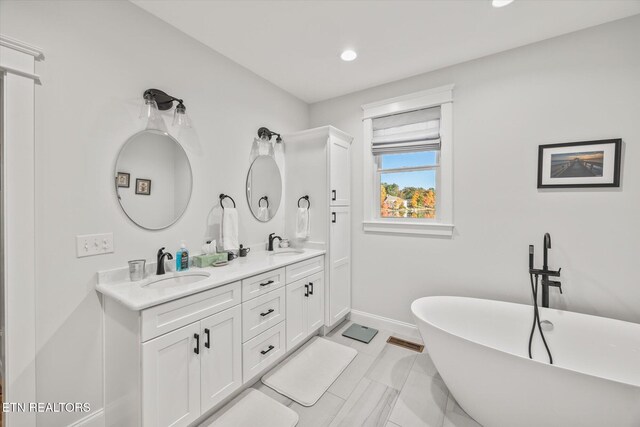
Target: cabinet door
[
  {"x": 340, "y": 177},
  {"x": 220, "y": 356},
  {"x": 315, "y": 302},
  {"x": 296, "y": 319},
  {"x": 171, "y": 378},
  {"x": 339, "y": 289}
]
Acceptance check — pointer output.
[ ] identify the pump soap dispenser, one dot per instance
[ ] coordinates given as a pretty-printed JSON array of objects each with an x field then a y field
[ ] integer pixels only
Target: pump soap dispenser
[{"x": 182, "y": 258}]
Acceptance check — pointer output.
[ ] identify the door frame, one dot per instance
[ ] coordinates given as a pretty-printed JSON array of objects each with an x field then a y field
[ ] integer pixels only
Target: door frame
[{"x": 17, "y": 66}]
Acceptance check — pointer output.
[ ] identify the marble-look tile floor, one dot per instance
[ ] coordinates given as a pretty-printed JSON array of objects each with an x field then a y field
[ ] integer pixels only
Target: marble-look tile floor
[{"x": 386, "y": 386}]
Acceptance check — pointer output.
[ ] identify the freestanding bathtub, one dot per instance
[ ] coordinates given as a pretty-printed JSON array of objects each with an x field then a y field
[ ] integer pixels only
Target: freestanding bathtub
[{"x": 480, "y": 349}]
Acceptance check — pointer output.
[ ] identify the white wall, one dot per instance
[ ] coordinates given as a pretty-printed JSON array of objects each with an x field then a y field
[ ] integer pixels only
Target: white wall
[
  {"x": 582, "y": 86},
  {"x": 100, "y": 57}
]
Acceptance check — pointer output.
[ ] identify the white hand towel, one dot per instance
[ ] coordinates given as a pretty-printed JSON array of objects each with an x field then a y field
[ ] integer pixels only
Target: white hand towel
[
  {"x": 230, "y": 229},
  {"x": 303, "y": 225},
  {"x": 263, "y": 213}
]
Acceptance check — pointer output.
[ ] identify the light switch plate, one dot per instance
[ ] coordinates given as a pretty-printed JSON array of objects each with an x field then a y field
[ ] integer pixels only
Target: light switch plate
[{"x": 94, "y": 244}]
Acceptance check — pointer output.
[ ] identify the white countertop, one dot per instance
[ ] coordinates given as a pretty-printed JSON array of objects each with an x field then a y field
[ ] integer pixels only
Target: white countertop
[{"x": 135, "y": 296}]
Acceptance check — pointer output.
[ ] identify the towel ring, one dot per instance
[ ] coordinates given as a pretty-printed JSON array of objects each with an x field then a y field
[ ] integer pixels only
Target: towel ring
[
  {"x": 304, "y": 198},
  {"x": 266, "y": 199},
  {"x": 224, "y": 196}
]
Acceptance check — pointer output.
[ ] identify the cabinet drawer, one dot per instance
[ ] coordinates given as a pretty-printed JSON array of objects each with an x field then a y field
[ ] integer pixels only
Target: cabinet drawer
[
  {"x": 166, "y": 317},
  {"x": 261, "y": 313},
  {"x": 262, "y": 283},
  {"x": 304, "y": 268},
  {"x": 262, "y": 351}
]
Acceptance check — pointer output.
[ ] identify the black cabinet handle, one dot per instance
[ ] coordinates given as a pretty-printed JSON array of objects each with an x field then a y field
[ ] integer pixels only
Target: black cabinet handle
[
  {"x": 266, "y": 283},
  {"x": 311, "y": 288},
  {"x": 333, "y": 195},
  {"x": 306, "y": 290},
  {"x": 208, "y": 342},
  {"x": 333, "y": 217},
  {"x": 197, "y": 349},
  {"x": 268, "y": 312},
  {"x": 268, "y": 350}
]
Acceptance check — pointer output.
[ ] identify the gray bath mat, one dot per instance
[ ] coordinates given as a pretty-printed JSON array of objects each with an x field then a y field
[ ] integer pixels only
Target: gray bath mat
[{"x": 360, "y": 333}]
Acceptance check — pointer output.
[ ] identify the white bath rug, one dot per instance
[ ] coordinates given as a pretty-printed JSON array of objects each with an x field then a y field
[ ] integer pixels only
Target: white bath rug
[
  {"x": 253, "y": 408},
  {"x": 310, "y": 372}
]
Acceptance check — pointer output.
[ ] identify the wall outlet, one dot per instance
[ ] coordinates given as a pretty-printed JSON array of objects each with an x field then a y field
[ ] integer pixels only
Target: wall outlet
[{"x": 94, "y": 244}]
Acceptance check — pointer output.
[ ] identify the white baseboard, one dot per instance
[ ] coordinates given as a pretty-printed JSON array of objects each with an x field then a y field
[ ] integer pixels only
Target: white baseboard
[
  {"x": 96, "y": 419},
  {"x": 379, "y": 322}
]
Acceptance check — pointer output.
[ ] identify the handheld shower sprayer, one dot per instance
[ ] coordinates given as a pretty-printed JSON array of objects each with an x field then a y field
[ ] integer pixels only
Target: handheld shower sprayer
[
  {"x": 547, "y": 245},
  {"x": 531, "y": 249}
]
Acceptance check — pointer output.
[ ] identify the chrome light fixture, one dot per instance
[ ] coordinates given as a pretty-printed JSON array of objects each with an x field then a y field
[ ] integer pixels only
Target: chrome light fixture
[{"x": 155, "y": 101}]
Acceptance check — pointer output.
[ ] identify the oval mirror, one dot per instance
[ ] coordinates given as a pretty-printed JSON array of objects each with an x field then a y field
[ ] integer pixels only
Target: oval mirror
[
  {"x": 153, "y": 179},
  {"x": 264, "y": 188}
]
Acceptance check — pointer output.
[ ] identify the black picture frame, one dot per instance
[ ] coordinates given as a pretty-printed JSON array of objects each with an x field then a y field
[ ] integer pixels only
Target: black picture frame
[
  {"x": 145, "y": 183},
  {"x": 126, "y": 177},
  {"x": 616, "y": 159}
]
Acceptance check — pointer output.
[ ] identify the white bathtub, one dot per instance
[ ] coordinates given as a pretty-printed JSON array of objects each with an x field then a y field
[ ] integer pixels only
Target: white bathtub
[{"x": 480, "y": 349}]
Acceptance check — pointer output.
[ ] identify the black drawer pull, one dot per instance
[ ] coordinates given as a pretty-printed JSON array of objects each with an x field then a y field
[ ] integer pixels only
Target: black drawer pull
[
  {"x": 268, "y": 350},
  {"x": 266, "y": 283},
  {"x": 197, "y": 349},
  {"x": 310, "y": 288},
  {"x": 208, "y": 341},
  {"x": 268, "y": 312},
  {"x": 333, "y": 217},
  {"x": 333, "y": 195},
  {"x": 306, "y": 290}
]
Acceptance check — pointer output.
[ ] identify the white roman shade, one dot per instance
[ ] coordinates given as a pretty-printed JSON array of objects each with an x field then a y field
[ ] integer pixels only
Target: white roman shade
[{"x": 417, "y": 130}]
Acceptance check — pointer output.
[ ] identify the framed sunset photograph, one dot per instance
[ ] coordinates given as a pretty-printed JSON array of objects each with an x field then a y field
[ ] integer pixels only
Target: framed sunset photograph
[{"x": 580, "y": 164}]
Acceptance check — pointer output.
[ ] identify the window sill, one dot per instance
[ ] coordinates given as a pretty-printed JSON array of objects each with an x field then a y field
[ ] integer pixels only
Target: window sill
[{"x": 408, "y": 228}]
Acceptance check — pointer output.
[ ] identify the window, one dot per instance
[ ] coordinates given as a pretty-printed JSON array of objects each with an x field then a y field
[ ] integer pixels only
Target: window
[
  {"x": 408, "y": 184},
  {"x": 408, "y": 167}
]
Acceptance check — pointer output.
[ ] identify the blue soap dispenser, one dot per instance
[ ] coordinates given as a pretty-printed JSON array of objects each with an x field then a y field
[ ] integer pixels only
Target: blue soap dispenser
[{"x": 182, "y": 258}]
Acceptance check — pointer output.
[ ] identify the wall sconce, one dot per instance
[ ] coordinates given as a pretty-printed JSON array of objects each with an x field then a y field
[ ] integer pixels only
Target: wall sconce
[
  {"x": 262, "y": 146},
  {"x": 264, "y": 133},
  {"x": 155, "y": 101}
]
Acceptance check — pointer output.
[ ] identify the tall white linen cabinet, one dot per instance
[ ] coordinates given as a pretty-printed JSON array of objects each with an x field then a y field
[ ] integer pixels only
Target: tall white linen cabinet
[{"x": 318, "y": 165}]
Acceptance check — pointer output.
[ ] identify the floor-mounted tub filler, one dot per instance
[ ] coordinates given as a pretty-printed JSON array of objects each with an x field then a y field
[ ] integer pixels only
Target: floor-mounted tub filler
[{"x": 480, "y": 349}]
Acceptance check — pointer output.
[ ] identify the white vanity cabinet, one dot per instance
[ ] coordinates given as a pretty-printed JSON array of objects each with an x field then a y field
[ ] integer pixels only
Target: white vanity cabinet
[
  {"x": 171, "y": 363},
  {"x": 305, "y": 308},
  {"x": 190, "y": 370},
  {"x": 318, "y": 164}
]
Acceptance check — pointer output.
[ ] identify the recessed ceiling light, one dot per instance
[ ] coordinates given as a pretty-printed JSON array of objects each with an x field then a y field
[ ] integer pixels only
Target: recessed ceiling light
[
  {"x": 348, "y": 55},
  {"x": 501, "y": 3}
]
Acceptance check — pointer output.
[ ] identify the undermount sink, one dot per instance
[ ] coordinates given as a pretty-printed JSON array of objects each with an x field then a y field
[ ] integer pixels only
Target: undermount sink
[
  {"x": 287, "y": 252},
  {"x": 176, "y": 280}
]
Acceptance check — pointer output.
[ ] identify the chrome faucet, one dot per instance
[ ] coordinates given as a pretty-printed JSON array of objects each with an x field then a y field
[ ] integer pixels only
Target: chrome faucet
[
  {"x": 273, "y": 237},
  {"x": 161, "y": 256}
]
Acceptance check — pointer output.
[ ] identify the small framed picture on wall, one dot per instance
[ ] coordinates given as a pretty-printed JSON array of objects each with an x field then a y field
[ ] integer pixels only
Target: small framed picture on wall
[
  {"x": 143, "y": 186},
  {"x": 122, "y": 180},
  {"x": 580, "y": 164}
]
